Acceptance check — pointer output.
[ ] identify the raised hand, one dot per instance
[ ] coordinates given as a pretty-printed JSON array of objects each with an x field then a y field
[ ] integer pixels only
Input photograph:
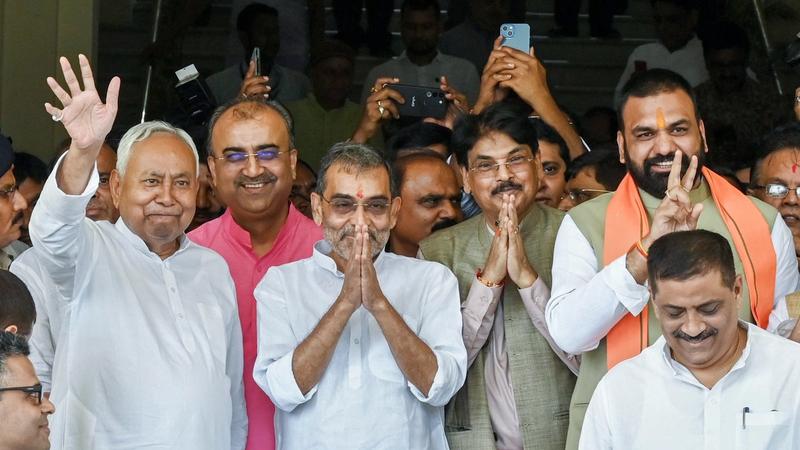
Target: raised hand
[
  {"x": 676, "y": 212},
  {"x": 381, "y": 105},
  {"x": 371, "y": 294},
  {"x": 496, "y": 267},
  {"x": 86, "y": 119},
  {"x": 519, "y": 269},
  {"x": 524, "y": 74},
  {"x": 254, "y": 86},
  {"x": 489, "y": 90},
  {"x": 458, "y": 106}
]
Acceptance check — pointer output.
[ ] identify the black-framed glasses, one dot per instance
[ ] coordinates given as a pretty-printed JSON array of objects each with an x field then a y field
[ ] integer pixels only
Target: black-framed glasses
[
  {"x": 8, "y": 193},
  {"x": 345, "y": 206},
  {"x": 263, "y": 155},
  {"x": 581, "y": 195},
  {"x": 777, "y": 190},
  {"x": 34, "y": 392},
  {"x": 514, "y": 164}
]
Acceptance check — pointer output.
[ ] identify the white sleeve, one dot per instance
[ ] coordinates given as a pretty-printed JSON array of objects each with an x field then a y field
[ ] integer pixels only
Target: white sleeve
[
  {"x": 58, "y": 229},
  {"x": 585, "y": 304},
  {"x": 786, "y": 274},
  {"x": 440, "y": 329},
  {"x": 596, "y": 431},
  {"x": 235, "y": 373},
  {"x": 273, "y": 367}
]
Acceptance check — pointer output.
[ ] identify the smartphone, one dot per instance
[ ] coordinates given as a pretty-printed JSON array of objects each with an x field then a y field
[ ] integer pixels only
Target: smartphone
[
  {"x": 421, "y": 101},
  {"x": 256, "y": 58},
  {"x": 516, "y": 35}
]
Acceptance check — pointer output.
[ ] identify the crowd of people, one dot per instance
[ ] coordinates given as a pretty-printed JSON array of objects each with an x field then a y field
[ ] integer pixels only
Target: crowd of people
[{"x": 315, "y": 273}]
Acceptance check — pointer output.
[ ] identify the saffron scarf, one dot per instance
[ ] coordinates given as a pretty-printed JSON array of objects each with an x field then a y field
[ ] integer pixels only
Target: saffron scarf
[{"x": 627, "y": 222}]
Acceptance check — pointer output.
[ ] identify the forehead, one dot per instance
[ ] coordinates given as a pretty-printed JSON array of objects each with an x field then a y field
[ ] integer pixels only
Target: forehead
[
  {"x": 419, "y": 15},
  {"x": 549, "y": 152},
  {"x": 643, "y": 111},
  {"x": 8, "y": 178},
  {"x": 250, "y": 126},
  {"x": 496, "y": 145},
  {"x": 585, "y": 179},
  {"x": 19, "y": 372},
  {"x": 160, "y": 151},
  {"x": 784, "y": 163},
  {"x": 107, "y": 159},
  {"x": 353, "y": 180},
  {"x": 694, "y": 291},
  {"x": 429, "y": 176}
]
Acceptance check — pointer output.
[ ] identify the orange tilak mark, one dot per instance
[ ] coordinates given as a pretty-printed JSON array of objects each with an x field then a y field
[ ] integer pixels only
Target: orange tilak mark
[
  {"x": 660, "y": 121},
  {"x": 360, "y": 194}
]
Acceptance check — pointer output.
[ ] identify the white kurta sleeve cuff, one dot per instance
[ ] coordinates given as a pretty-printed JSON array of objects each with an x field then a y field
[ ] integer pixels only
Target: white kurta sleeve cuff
[
  {"x": 631, "y": 295},
  {"x": 282, "y": 386},
  {"x": 441, "y": 388}
]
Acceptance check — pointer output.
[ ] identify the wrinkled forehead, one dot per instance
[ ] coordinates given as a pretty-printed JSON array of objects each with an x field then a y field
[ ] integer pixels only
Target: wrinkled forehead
[
  {"x": 357, "y": 182},
  {"x": 162, "y": 153},
  {"x": 784, "y": 163}
]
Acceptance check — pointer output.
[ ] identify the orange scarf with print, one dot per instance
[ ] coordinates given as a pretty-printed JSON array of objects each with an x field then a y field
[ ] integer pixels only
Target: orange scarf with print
[{"x": 627, "y": 222}]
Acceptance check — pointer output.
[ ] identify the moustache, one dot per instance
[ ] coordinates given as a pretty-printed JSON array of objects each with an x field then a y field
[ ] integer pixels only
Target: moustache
[
  {"x": 445, "y": 223},
  {"x": 350, "y": 231},
  {"x": 705, "y": 334},
  {"x": 649, "y": 163},
  {"x": 265, "y": 178},
  {"x": 505, "y": 186},
  {"x": 158, "y": 211}
]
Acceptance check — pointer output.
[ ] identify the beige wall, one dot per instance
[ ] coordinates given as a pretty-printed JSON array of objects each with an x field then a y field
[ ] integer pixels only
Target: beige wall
[{"x": 33, "y": 33}]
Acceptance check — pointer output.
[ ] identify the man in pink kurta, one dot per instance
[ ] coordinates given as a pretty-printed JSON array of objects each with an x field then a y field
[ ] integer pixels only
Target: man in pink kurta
[{"x": 252, "y": 163}]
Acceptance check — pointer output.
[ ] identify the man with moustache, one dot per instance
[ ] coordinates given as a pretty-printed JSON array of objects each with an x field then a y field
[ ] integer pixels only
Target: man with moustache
[
  {"x": 711, "y": 380},
  {"x": 518, "y": 386},
  {"x": 147, "y": 330},
  {"x": 599, "y": 299},
  {"x": 12, "y": 205},
  {"x": 252, "y": 158},
  {"x": 50, "y": 306},
  {"x": 363, "y": 347},
  {"x": 431, "y": 200},
  {"x": 775, "y": 176}
]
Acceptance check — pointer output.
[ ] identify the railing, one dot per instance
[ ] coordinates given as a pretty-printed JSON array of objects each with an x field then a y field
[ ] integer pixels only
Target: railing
[{"x": 149, "y": 78}]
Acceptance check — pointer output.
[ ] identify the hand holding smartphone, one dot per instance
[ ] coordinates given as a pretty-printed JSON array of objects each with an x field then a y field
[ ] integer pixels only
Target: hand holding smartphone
[{"x": 421, "y": 101}]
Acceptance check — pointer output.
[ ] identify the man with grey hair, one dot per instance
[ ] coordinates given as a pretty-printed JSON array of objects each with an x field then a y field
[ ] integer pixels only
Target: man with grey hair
[
  {"x": 153, "y": 357},
  {"x": 364, "y": 346},
  {"x": 252, "y": 160}
]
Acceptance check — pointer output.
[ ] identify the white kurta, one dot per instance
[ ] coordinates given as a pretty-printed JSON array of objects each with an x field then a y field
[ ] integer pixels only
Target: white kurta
[
  {"x": 363, "y": 400},
  {"x": 653, "y": 402},
  {"x": 152, "y": 350}
]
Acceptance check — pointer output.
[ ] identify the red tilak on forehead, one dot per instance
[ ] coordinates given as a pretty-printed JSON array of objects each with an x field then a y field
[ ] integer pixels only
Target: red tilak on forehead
[
  {"x": 360, "y": 194},
  {"x": 794, "y": 168}
]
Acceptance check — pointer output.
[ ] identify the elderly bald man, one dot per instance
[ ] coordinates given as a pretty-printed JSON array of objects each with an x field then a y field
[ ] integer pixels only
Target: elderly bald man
[{"x": 154, "y": 354}]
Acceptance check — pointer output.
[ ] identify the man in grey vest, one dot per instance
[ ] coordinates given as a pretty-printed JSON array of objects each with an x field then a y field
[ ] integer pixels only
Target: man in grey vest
[
  {"x": 599, "y": 305},
  {"x": 518, "y": 385}
]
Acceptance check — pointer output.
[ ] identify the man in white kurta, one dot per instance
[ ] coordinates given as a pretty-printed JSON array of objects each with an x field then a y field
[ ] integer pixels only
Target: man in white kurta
[{"x": 152, "y": 352}]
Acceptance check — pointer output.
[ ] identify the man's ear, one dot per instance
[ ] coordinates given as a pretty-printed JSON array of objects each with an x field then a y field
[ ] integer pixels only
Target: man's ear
[
  {"x": 702, "y": 127},
  {"x": 621, "y": 146},
  {"x": 465, "y": 179},
  {"x": 11, "y": 329},
  {"x": 293, "y": 161},
  {"x": 395, "y": 207},
  {"x": 211, "y": 161},
  {"x": 316, "y": 208},
  {"x": 652, "y": 299},
  {"x": 115, "y": 185},
  {"x": 737, "y": 291}
]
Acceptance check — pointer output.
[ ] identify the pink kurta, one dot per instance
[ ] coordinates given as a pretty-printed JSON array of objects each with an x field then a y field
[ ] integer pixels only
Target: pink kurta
[{"x": 294, "y": 242}]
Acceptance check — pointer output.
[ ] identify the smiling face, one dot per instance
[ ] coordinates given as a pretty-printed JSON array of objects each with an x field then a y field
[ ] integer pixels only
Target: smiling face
[
  {"x": 252, "y": 188},
  {"x": 782, "y": 167},
  {"x": 699, "y": 317},
  {"x": 156, "y": 196},
  {"x": 12, "y": 209},
  {"x": 24, "y": 424},
  {"x": 553, "y": 177},
  {"x": 488, "y": 187},
  {"x": 348, "y": 185},
  {"x": 655, "y": 128}
]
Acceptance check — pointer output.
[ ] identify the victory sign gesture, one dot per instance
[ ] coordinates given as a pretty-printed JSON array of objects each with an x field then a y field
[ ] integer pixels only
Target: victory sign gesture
[{"x": 86, "y": 119}]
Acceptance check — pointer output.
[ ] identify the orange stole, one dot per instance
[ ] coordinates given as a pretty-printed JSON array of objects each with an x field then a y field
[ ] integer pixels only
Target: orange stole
[{"x": 627, "y": 222}]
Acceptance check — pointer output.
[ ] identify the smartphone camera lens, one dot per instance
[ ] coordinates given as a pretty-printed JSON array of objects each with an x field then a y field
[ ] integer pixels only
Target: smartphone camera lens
[
  {"x": 428, "y": 94},
  {"x": 505, "y": 28}
]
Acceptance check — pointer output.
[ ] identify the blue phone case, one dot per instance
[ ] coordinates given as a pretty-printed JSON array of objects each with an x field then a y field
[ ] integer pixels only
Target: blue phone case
[{"x": 516, "y": 35}]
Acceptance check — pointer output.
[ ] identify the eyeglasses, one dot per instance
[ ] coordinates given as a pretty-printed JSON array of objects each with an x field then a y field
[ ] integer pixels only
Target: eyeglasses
[
  {"x": 34, "y": 392},
  {"x": 581, "y": 195},
  {"x": 777, "y": 190},
  {"x": 8, "y": 193},
  {"x": 346, "y": 206},
  {"x": 514, "y": 164},
  {"x": 263, "y": 155}
]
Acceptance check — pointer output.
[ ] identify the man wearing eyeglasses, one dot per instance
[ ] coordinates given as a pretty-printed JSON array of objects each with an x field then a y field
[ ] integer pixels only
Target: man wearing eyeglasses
[
  {"x": 775, "y": 176},
  {"x": 252, "y": 158},
  {"x": 591, "y": 175},
  {"x": 362, "y": 348},
  {"x": 12, "y": 205},
  {"x": 518, "y": 386},
  {"x": 23, "y": 409}
]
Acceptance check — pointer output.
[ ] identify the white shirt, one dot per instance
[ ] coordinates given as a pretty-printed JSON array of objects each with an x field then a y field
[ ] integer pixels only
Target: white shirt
[
  {"x": 653, "y": 402},
  {"x": 363, "y": 400},
  {"x": 151, "y": 355},
  {"x": 687, "y": 61},
  {"x": 50, "y": 313},
  {"x": 586, "y": 304}
]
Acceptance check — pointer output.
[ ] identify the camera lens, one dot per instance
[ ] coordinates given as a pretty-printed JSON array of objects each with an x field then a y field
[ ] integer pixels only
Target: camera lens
[
  {"x": 428, "y": 94},
  {"x": 505, "y": 28}
]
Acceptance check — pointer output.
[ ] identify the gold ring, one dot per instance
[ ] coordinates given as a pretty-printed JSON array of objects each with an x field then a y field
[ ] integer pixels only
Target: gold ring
[
  {"x": 373, "y": 90},
  {"x": 379, "y": 104},
  {"x": 381, "y": 110}
]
